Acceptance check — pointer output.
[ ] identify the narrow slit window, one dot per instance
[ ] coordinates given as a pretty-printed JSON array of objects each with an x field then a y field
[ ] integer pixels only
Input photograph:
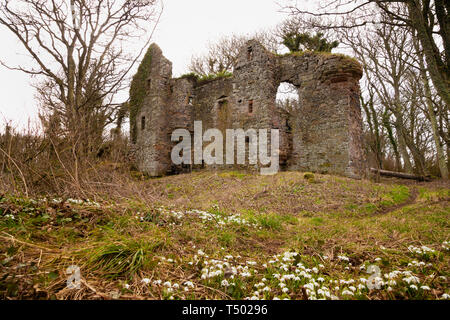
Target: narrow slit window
[
  {"x": 149, "y": 83},
  {"x": 190, "y": 100},
  {"x": 288, "y": 126},
  {"x": 249, "y": 53},
  {"x": 143, "y": 123},
  {"x": 250, "y": 107}
]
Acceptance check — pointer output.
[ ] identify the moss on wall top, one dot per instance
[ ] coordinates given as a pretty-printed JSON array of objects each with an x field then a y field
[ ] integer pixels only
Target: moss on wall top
[
  {"x": 203, "y": 79},
  {"x": 138, "y": 91}
]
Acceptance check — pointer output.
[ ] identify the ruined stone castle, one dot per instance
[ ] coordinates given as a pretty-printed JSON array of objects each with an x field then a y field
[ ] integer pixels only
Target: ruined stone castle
[{"x": 324, "y": 134}]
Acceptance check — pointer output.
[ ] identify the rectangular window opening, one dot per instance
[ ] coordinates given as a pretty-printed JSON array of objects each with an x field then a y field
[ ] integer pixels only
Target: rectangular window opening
[{"x": 250, "y": 107}]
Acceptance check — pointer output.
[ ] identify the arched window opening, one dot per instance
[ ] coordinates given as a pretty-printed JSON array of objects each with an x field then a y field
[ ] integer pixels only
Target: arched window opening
[{"x": 287, "y": 96}]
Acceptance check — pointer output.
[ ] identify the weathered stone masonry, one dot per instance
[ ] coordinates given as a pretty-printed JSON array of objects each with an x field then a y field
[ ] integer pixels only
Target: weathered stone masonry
[{"x": 323, "y": 135}]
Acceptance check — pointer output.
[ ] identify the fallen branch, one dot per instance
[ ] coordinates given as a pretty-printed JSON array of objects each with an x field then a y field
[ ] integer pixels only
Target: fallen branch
[
  {"x": 400, "y": 175},
  {"x": 12, "y": 239}
]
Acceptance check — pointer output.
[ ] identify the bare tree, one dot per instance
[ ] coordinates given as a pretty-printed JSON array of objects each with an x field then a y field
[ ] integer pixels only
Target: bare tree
[
  {"x": 221, "y": 55},
  {"x": 428, "y": 18},
  {"x": 77, "y": 52}
]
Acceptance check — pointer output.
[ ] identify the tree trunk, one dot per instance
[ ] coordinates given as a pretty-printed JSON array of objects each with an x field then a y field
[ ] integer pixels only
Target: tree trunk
[
  {"x": 401, "y": 175},
  {"x": 437, "y": 75}
]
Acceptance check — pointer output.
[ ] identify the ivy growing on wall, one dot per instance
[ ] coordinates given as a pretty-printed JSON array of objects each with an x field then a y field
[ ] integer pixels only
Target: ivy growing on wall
[{"x": 138, "y": 91}]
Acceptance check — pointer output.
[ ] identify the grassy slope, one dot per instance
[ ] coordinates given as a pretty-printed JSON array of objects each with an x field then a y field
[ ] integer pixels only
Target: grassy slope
[{"x": 332, "y": 229}]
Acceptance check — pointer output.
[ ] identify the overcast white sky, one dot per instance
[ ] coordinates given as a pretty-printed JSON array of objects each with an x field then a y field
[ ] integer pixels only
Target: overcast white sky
[{"x": 185, "y": 29}]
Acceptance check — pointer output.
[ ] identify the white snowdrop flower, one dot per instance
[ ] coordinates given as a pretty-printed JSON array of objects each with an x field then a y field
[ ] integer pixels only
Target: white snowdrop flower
[
  {"x": 325, "y": 257},
  {"x": 315, "y": 270},
  {"x": 347, "y": 268},
  {"x": 392, "y": 282},
  {"x": 411, "y": 279},
  {"x": 169, "y": 290},
  {"x": 167, "y": 284},
  {"x": 347, "y": 293},
  {"x": 157, "y": 282},
  {"x": 251, "y": 263},
  {"x": 321, "y": 266},
  {"x": 267, "y": 289},
  {"x": 186, "y": 289},
  {"x": 446, "y": 245},
  {"x": 276, "y": 298},
  {"x": 337, "y": 288},
  {"x": 382, "y": 248},
  {"x": 413, "y": 286},
  {"x": 343, "y": 258},
  {"x": 126, "y": 286},
  {"x": 425, "y": 288},
  {"x": 363, "y": 280},
  {"x": 282, "y": 285},
  {"x": 309, "y": 286},
  {"x": 377, "y": 259},
  {"x": 361, "y": 286},
  {"x": 390, "y": 289},
  {"x": 297, "y": 278},
  {"x": 263, "y": 279},
  {"x": 170, "y": 260},
  {"x": 445, "y": 296},
  {"x": 175, "y": 286},
  {"x": 352, "y": 288},
  {"x": 225, "y": 283},
  {"x": 189, "y": 284},
  {"x": 200, "y": 253},
  {"x": 285, "y": 290},
  {"x": 145, "y": 281}
]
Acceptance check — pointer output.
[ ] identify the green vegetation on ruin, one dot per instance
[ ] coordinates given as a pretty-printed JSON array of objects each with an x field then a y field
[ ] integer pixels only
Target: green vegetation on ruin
[{"x": 138, "y": 90}]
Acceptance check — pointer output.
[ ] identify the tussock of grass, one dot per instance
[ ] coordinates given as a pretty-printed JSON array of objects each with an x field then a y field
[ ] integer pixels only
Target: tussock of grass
[{"x": 123, "y": 258}]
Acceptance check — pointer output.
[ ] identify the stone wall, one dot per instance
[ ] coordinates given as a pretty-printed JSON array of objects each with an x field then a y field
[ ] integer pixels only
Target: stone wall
[{"x": 323, "y": 135}]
